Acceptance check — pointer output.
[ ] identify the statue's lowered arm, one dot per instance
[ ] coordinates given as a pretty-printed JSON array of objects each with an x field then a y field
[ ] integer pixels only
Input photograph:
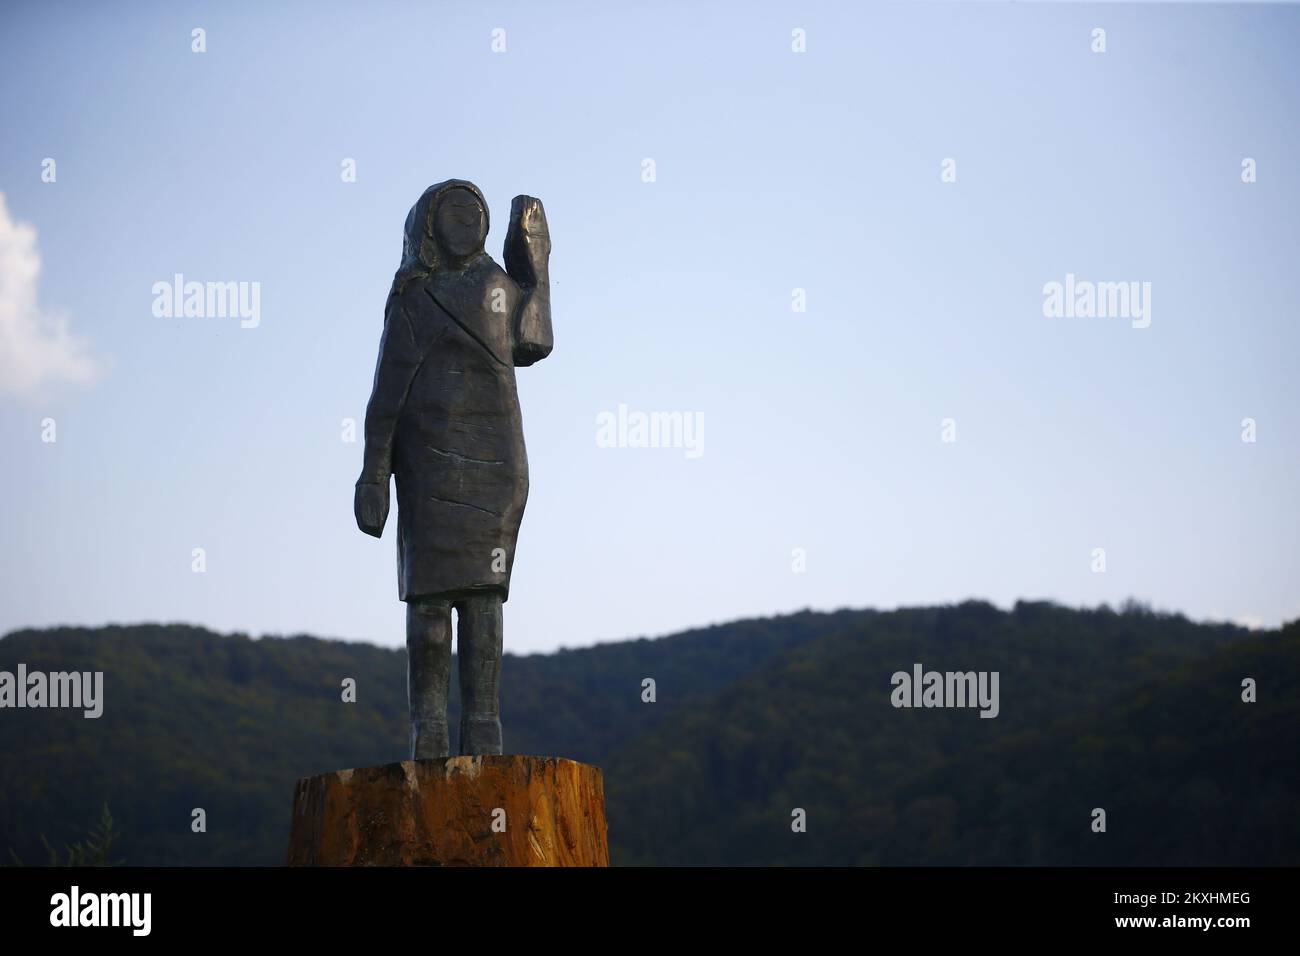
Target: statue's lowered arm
[
  {"x": 399, "y": 359},
  {"x": 527, "y": 256}
]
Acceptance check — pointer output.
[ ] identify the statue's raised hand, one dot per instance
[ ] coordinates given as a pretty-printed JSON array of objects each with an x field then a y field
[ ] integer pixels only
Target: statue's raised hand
[
  {"x": 528, "y": 241},
  {"x": 370, "y": 505}
]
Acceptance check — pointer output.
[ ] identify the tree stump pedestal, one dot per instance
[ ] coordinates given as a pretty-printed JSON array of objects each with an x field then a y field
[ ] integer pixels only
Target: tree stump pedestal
[{"x": 460, "y": 811}]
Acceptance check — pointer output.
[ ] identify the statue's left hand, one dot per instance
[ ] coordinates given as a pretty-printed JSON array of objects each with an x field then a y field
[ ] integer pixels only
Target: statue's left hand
[
  {"x": 532, "y": 221},
  {"x": 370, "y": 505},
  {"x": 528, "y": 240}
]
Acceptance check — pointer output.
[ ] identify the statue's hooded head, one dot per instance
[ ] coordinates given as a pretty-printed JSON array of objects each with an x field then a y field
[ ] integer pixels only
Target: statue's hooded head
[{"x": 445, "y": 229}]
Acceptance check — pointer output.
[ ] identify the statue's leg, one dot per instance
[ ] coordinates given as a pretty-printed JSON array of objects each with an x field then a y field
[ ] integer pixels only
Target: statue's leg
[
  {"x": 478, "y": 636},
  {"x": 428, "y": 674}
]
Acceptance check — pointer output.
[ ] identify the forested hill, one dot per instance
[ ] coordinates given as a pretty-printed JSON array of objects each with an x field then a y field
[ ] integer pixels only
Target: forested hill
[{"x": 753, "y": 724}]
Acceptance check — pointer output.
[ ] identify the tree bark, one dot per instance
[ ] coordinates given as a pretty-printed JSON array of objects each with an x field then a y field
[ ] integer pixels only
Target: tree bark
[{"x": 463, "y": 811}]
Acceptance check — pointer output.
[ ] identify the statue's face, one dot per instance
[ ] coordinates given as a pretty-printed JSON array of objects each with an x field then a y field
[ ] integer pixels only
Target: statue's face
[{"x": 460, "y": 222}]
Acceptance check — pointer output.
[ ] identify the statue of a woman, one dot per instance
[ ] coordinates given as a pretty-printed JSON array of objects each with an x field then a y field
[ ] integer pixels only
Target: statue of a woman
[{"x": 444, "y": 419}]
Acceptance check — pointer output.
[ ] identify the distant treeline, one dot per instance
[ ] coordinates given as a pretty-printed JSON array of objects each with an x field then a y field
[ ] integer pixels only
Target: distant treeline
[{"x": 770, "y": 741}]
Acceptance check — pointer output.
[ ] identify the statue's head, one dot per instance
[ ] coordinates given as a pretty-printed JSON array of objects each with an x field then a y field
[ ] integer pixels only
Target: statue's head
[
  {"x": 459, "y": 222},
  {"x": 446, "y": 226}
]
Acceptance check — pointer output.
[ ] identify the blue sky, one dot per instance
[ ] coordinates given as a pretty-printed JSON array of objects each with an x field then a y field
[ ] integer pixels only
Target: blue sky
[{"x": 775, "y": 171}]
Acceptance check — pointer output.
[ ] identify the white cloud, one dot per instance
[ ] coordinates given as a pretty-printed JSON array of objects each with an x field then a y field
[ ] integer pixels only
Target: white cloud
[{"x": 36, "y": 349}]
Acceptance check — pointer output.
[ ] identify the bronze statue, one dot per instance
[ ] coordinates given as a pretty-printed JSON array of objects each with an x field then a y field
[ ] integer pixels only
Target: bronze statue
[{"x": 444, "y": 419}]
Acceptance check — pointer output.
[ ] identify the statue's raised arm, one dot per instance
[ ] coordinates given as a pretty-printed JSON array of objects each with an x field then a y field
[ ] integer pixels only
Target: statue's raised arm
[{"x": 527, "y": 255}]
